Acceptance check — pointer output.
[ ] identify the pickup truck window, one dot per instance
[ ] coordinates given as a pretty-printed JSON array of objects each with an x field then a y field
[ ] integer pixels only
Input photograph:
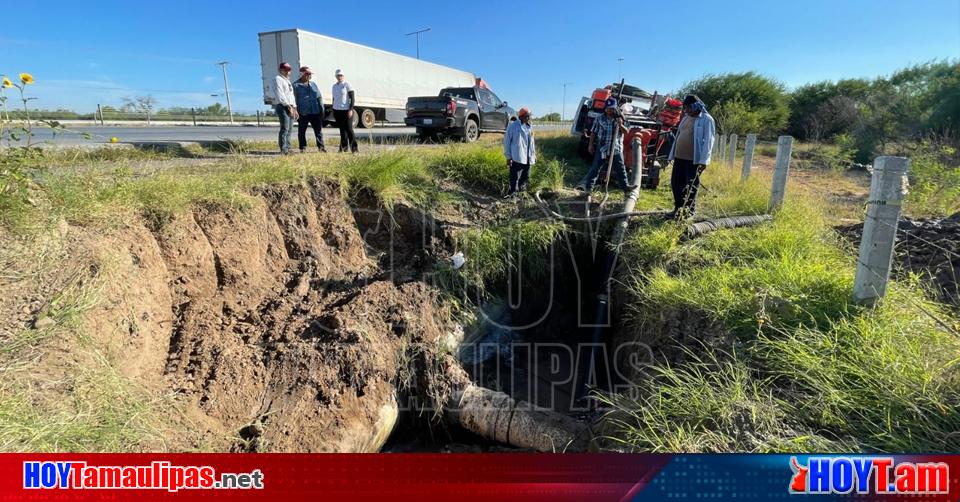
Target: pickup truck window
[
  {"x": 486, "y": 97},
  {"x": 462, "y": 93}
]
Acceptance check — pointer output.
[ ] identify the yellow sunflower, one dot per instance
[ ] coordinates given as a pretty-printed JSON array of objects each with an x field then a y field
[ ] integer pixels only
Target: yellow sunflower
[
  {"x": 7, "y": 83},
  {"x": 26, "y": 78}
]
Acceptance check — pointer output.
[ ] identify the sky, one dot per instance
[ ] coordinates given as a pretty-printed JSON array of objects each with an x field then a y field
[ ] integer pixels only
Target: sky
[{"x": 84, "y": 53}]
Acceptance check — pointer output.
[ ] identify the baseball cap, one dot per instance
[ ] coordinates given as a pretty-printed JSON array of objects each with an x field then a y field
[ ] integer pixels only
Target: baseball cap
[
  {"x": 338, "y": 72},
  {"x": 523, "y": 112}
]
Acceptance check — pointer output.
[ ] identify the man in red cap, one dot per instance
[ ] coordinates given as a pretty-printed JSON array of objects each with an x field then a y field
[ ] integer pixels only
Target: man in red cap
[
  {"x": 310, "y": 108},
  {"x": 285, "y": 104},
  {"x": 519, "y": 147}
]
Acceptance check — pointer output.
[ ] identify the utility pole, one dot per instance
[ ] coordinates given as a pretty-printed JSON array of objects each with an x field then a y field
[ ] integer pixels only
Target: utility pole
[
  {"x": 563, "y": 111},
  {"x": 226, "y": 88},
  {"x": 620, "y": 68},
  {"x": 417, "y": 33}
]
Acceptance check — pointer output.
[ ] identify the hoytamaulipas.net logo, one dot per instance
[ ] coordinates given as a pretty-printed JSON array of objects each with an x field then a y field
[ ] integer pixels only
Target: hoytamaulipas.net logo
[
  {"x": 868, "y": 475},
  {"x": 159, "y": 475}
]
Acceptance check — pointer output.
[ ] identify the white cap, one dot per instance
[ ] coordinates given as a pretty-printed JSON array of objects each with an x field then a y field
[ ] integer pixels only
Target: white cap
[{"x": 338, "y": 72}]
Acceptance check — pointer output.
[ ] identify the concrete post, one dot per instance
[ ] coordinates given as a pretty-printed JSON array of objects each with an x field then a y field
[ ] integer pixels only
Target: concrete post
[
  {"x": 780, "y": 171},
  {"x": 722, "y": 148},
  {"x": 887, "y": 189},
  {"x": 748, "y": 156},
  {"x": 733, "y": 150}
]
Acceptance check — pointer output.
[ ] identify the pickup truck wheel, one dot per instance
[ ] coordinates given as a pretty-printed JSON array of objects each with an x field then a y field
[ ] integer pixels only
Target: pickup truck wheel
[
  {"x": 367, "y": 119},
  {"x": 470, "y": 131}
]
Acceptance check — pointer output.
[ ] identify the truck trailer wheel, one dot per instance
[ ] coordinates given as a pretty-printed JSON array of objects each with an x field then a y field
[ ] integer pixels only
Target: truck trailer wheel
[
  {"x": 470, "y": 131},
  {"x": 367, "y": 119}
]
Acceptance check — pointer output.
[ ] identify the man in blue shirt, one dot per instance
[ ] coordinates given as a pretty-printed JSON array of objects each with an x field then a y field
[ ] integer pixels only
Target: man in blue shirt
[
  {"x": 606, "y": 129},
  {"x": 520, "y": 149},
  {"x": 690, "y": 154},
  {"x": 310, "y": 107}
]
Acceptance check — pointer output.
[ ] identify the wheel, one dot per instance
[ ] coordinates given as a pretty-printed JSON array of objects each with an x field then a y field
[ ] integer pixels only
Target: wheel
[
  {"x": 355, "y": 121},
  {"x": 470, "y": 131},
  {"x": 367, "y": 118}
]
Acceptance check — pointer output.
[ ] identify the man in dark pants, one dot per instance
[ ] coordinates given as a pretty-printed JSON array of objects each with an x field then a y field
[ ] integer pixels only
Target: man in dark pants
[
  {"x": 285, "y": 105},
  {"x": 690, "y": 154},
  {"x": 343, "y": 100},
  {"x": 310, "y": 108},
  {"x": 519, "y": 147},
  {"x": 605, "y": 135}
]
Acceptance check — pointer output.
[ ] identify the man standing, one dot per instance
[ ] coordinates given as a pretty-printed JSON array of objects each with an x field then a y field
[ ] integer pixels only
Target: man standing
[
  {"x": 690, "y": 155},
  {"x": 606, "y": 129},
  {"x": 343, "y": 100},
  {"x": 285, "y": 105},
  {"x": 310, "y": 108},
  {"x": 520, "y": 149}
]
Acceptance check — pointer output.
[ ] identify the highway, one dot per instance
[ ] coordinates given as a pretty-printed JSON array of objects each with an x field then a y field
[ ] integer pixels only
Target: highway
[{"x": 141, "y": 134}]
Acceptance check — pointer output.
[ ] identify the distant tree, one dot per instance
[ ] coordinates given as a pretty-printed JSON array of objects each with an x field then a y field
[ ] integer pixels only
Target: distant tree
[
  {"x": 140, "y": 104},
  {"x": 759, "y": 97},
  {"x": 807, "y": 101},
  {"x": 550, "y": 117}
]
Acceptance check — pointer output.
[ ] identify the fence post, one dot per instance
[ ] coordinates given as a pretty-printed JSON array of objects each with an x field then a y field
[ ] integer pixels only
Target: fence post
[
  {"x": 733, "y": 150},
  {"x": 880, "y": 229},
  {"x": 722, "y": 148},
  {"x": 748, "y": 156},
  {"x": 100, "y": 111},
  {"x": 193, "y": 112},
  {"x": 258, "y": 118},
  {"x": 784, "y": 148}
]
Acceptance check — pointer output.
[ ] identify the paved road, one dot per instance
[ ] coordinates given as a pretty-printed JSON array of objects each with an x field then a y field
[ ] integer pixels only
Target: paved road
[{"x": 134, "y": 134}]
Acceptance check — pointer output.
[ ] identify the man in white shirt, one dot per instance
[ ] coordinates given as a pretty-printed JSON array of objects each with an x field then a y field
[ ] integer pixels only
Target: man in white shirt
[
  {"x": 343, "y": 100},
  {"x": 285, "y": 104},
  {"x": 519, "y": 147}
]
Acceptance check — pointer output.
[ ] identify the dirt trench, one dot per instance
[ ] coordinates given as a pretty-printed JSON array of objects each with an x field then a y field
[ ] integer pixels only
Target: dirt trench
[{"x": 272, "y": 326}]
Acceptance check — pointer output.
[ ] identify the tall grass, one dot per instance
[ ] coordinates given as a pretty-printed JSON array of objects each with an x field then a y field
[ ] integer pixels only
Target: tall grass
[
  {"x": 474, "y": 166},
  {"x": 804, "y": 368}
]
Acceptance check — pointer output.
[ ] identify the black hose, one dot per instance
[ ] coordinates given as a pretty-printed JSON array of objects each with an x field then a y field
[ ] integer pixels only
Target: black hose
[{"x": 704, "y": 227}]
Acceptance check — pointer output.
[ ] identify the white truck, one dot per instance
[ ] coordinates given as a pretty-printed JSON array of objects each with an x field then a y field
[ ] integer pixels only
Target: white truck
[{"x": 382, "y": 81}]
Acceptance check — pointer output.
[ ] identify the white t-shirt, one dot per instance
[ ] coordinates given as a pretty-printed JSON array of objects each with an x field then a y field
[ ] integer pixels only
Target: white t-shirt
[{"x": 341, "y": 96}]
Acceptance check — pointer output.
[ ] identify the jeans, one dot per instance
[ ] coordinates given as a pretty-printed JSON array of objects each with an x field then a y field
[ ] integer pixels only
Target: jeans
[
  {"x": 685, "y": 182},
  {"x": 286, "y": 125},
  {"x": 347, "y": 139},
  {"x": 619, "y": 171},
  {"x": 314, "y": 120},
  {"x": 519, "y": 174}
]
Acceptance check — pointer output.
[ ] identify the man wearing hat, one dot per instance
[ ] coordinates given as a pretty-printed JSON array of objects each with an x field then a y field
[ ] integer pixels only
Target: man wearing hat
[
  {"x": 690, "y": 154},
  {"x": 285, "y": 105},
  {"x": 310, "y": 108},
  {"x": 520, "y": 149},
  {"x": 343, "y": 100},
  {"x": 606, "y": 129}
]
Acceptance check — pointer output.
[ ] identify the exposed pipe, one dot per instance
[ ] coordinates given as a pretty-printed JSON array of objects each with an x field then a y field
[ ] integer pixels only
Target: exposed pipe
[
  {"x": 704, "y": 227},
  {"x": 576, "y": 219}
]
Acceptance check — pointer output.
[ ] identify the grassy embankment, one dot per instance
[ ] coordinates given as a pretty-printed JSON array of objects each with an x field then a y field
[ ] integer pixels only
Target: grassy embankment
[{"x": 806, "y": 369}]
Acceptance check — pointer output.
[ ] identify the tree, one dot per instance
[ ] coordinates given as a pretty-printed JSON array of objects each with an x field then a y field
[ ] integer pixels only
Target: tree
[
  {"x": 140, "y": 104},
  {"x": 761, "y": 97},
  {"x": 551, "y": 117}
]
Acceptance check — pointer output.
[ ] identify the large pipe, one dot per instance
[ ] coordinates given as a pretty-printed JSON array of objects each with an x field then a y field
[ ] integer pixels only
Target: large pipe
[{"x": 498, "y": 417}]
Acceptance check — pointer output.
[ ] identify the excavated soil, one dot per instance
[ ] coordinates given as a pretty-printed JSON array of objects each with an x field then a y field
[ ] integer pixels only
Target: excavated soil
[
  {"x": 277, "y": 327},
  {"x": 929, "y": 247}
]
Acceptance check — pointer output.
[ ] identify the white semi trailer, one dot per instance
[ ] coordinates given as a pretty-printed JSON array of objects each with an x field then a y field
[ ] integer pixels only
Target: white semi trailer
[{"x": 382, "y": 81}]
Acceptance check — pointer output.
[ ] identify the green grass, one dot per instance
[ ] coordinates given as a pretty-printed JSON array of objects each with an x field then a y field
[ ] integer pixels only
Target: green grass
[
  {"x": 476, "y": 166},
  {"x": 801, "y": 367}
]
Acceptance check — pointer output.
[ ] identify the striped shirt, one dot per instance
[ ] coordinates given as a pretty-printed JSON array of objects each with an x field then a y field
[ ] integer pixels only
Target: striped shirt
[{"x": 603, "y": 131}]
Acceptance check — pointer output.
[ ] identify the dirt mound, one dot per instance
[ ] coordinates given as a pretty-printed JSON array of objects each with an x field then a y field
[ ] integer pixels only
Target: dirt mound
[
  {"x": 271, "y": 325},
  {"x": 929, "y": 247}
]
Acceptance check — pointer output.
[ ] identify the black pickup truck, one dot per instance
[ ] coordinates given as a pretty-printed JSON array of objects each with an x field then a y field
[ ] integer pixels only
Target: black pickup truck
[{"x": 459, "y": 112}]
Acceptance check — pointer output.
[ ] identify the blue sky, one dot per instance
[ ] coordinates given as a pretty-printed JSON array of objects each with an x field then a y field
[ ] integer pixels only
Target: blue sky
[{"x": 83, "y": 53}]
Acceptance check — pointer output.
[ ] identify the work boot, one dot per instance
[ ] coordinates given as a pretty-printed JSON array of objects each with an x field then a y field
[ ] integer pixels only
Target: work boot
[{"x": 580, "y": 187}]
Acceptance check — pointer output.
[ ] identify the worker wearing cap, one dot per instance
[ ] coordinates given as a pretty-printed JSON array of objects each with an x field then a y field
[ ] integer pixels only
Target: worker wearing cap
[
  {"x": 690, "y": 154},
  {"x": 310, "y": 108},
  {"x": 343, "y": 100},
  {"x": 285, "y": 105},
  {"x": 606, "y": 130},
  {"x": 519, "y": 147}
]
